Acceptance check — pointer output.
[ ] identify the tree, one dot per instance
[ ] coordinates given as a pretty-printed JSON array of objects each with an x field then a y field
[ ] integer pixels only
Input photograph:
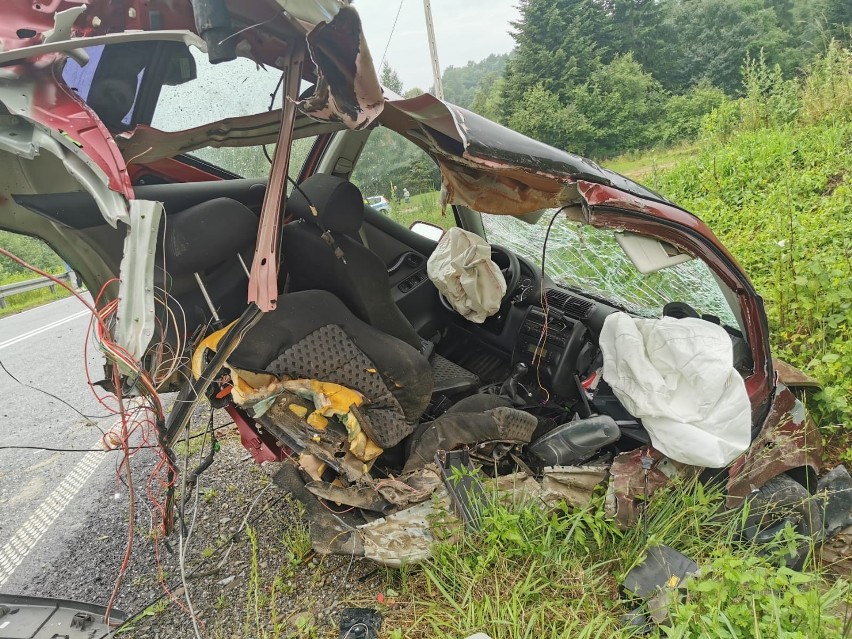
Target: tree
[
  {"x": 638, "y": 27},
  {"x": 488, "y": 100},
  {"x": 623, "y": 104},
  {"x": 713, "y": 37},
  {"x": 390, "y": 79},
  {"x": 461, "y": 84},
  {"x": 542, "y": 116},
  {"x": 558, "y": 47}
]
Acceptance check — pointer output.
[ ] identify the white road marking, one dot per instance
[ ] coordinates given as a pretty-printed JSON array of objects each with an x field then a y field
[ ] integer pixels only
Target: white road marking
[
  {"x": 28, "y": 535},
  {"x": 41, "y": 329}
]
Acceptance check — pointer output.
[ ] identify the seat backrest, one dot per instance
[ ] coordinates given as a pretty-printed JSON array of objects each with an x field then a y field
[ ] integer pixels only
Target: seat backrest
[
  {"x": 208, "y": 239},
  {"x": 319, "y": 253}
]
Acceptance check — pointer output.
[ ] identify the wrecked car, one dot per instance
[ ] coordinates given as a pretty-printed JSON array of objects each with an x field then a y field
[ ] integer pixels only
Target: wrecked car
[{"x": 565, "y": 328}]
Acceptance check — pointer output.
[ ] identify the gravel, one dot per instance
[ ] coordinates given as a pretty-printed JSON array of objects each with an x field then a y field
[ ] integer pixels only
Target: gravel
[{"x": 238, "y": 588}]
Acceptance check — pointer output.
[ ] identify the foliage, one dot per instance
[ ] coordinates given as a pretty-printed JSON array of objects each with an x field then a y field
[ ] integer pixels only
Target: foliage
[
  {"x": 541, "y": 115},
  {"x": 614, "y": 100},
  {"x": 527, "y": 571},
  {"x": 390, "y": 79},
  {"x": 462, "y": 83},
  {"x": 741, "y": 597},
  {"x": 712, "y": 39},
  {"x": 556, "y": 48},
  {"x": 773, "y": 180},
  {"x": 684, "y": 113},
  {"x": 621, "y": 75},
  {"x": 30, "y": 250},
  {"x": 389, "y": 163}
]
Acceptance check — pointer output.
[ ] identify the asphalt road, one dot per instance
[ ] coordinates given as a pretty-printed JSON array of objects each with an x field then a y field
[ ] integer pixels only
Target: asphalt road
[{"x": 47, "y": 498}]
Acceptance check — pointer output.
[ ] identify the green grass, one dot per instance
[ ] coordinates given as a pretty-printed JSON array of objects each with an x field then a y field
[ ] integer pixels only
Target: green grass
[
  {"x": 26, "y": 301},
  {"x": 423, "y": 207},
  {"x": 642, "y": 164},
  {"x": 529, "y": 573}
]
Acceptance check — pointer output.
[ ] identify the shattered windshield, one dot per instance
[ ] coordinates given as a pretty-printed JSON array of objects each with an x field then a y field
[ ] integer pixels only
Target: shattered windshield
[{"x": 589, "y": 259}]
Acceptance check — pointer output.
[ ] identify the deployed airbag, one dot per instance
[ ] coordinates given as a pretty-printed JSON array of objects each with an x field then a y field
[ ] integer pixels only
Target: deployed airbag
[
  {"x": 677, "y": 376},
  {"x": 462, "y": 270}
]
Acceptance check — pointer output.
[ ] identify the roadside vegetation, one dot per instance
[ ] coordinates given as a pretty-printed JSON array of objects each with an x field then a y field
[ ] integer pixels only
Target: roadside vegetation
[
  {"x": 36, "y": 253},
  {"x": 529, "y": 573},
  {"x": 773, "y": 178}
]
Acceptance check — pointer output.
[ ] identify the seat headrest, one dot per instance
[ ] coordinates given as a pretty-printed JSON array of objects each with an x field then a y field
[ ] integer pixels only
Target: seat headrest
[
  {"x": 338, "y": 202},
  {"x": 207, "y": 234}
]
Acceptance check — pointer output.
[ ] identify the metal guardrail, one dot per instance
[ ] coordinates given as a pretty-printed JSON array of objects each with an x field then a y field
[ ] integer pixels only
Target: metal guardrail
[{"x": 8, "y": 290}]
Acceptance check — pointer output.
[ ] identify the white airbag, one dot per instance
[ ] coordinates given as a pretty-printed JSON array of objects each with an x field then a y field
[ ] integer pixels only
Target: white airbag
[
  {"x": 677, "y": 376},
  {"x": 462, "y": 270}
]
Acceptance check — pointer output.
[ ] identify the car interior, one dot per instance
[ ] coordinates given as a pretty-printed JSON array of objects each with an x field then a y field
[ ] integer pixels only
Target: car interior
[{"x": 357, "y": 308}]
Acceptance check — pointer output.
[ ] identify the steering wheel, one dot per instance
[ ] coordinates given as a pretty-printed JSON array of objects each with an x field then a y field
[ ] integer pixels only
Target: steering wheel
[{"x": 509, "y": 266}]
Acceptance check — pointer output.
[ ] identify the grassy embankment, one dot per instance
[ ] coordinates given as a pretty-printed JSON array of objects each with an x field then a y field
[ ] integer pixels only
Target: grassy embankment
[{"x": 25, "y": 301}]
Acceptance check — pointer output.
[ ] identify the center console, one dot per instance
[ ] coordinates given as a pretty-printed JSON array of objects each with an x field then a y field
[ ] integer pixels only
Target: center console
[{"x": 557, "y": 346}]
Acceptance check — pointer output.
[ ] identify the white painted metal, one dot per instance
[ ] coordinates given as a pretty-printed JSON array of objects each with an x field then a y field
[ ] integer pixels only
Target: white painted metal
[{"x": 433, "y": 51}]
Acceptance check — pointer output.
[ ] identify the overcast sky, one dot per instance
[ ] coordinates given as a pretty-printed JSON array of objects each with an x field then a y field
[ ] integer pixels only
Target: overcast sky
[{"x": 464, "y": 30}]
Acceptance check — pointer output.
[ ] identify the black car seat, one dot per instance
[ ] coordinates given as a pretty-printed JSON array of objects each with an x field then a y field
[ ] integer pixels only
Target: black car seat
[
  {"x": 204, "y": 250},
  {"x": 320, "y": 251},
  {"x": 312, "y": 334}
]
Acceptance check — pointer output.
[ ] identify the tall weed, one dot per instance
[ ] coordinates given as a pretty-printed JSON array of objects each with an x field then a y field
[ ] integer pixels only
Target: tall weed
[{"x": 530, "y": 572}]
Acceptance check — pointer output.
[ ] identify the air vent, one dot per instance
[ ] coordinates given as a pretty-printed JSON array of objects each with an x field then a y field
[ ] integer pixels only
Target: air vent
[{"x": 572, "y": 306}]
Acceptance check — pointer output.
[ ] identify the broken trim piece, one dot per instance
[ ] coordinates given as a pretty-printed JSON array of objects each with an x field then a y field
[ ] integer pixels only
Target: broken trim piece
[
  {"x": 69, "y": 46},
  {"x": 135, "y": 326}
]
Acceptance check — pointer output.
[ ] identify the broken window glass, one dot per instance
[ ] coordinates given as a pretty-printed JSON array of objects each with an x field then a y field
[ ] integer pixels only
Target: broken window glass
[{"x": 589, "y": 259}]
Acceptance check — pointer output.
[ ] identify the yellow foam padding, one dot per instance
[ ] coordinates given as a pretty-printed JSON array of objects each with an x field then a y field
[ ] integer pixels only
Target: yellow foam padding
[
  {"x": 311, "y": 465},
  {"x": 334, "y": 400},
  {"x": 244, "y": 382},
  {"x": 318, "y": 421},
  {"x": 330, "y": 400},
  {"x": 298, "y": 410},
  {"x": 209, "y": 343}
]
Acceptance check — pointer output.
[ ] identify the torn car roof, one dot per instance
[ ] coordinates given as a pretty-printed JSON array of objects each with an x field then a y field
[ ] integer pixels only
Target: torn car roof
[{"x": 491, "y": 168}]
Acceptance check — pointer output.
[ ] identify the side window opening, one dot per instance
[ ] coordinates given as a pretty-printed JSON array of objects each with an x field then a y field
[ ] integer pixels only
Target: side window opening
[
  {"x": 390, "y": 167},
  {"x": 111, "y": 80},
  {"x": 220, "y": 91}
]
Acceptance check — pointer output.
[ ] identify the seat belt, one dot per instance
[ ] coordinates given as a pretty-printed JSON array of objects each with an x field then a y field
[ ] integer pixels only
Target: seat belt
[{"x": 363, "y": 235}]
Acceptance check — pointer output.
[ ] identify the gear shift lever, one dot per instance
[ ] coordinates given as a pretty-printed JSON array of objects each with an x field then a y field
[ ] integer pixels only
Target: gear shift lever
[{"x": 513, "y": 387}]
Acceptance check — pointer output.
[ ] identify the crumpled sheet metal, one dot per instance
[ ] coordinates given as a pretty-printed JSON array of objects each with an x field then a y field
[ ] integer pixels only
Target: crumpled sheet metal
[
  {"x": 508, "y": 192},
  {"x": 347, "y": 88},
  {"x": 406, "y": 536},
  {"x": 835, "y": 490},
  {"x": 626, "y": 490},
  {"x": 573, "y": 485},
  {"x": 147, "y": 144},
  {"x": 411, "y": 488}
]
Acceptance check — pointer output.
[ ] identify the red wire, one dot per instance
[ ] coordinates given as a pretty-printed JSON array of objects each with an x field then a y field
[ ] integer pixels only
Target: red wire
[{"x": 138, "y": 425}]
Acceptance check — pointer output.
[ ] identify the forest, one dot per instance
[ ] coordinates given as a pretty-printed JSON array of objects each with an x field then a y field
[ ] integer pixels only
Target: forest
[{"x": 603, "y": 77}]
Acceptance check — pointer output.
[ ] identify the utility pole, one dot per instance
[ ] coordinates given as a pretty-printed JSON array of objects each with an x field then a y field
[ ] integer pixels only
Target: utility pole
[{"x": 433, "y": 50}]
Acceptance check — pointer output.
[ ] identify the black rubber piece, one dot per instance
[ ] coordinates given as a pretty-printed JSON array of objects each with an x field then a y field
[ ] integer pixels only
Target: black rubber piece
[{"x": 575, "y": 442}]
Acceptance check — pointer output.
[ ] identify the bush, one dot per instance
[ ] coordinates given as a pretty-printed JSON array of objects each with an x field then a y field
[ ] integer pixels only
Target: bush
[
  {"x": 746, "y": 597},
  {"x": 684, "y": 113},
  {"x": 773, "y": 180},
  {"x": 30, "y": 250}
]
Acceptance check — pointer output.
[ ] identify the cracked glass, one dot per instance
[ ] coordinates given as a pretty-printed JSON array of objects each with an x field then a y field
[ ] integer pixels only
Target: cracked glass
[{"x": 588, "y": 259}]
